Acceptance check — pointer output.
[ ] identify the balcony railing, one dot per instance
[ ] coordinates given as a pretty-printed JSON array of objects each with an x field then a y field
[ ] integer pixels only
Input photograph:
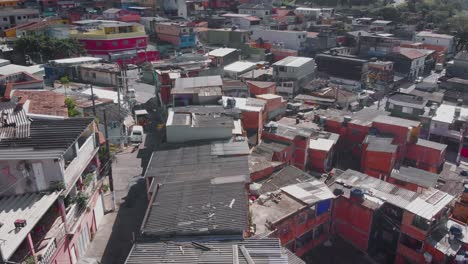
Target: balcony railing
[
  {"x": 54, "y": 241},
  {"x": 80, "y": 162},
  {"x": 49, "y": 252}
]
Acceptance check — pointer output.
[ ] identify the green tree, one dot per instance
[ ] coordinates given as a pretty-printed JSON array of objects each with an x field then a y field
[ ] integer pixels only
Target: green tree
[
  {"x": 71, "y": 106},
  {"x": 458, "y": 26},
  {"x": 390, "y": 13},
  {"x": 42, "y": 48}
]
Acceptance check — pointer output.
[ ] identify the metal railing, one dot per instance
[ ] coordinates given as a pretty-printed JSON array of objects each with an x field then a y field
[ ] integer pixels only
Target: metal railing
[{"x": 79, "y": 163}]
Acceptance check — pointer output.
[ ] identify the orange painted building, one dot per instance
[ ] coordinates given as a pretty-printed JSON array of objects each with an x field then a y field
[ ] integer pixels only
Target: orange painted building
[
  {"x": 378, "y": 156},
  {"x": 426, "y": 155},
  {"x": 258, "y": 88}
]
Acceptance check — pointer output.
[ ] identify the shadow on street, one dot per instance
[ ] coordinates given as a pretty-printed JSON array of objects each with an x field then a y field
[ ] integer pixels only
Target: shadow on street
[{"x": 128, "y": 221}]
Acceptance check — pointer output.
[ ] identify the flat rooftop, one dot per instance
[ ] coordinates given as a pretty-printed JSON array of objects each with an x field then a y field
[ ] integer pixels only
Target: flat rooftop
[
  {"x": 396, "y": 121},
  {"x": 414, "y": 100},
  {"x": 417, "y": 176},
  {"x": 380, "y": 144},
  {"x": 293, "y": 61},
  {"x": 274, "y": 208}
]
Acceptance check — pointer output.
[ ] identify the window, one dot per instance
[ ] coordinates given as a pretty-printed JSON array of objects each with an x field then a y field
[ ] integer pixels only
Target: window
[
  {"x": 114, "y": 43},
  {"x": 125, "y": 42},
  {"x": 99, "y": 44},
  {"x": 94, "y": 75},
  {"x": 5, "y": 19},
  {"x": 18, "y": 17},
  {"x": 407, "y": 110},
  {"x": 411, "y": 242},
  {"x": 421, "y": 223},
  {"x": 281, "y": 68}
]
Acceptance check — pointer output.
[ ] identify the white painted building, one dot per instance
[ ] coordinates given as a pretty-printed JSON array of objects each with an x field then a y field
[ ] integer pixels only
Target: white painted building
[
  {"x": 235, "y": 69},
  {"x": 291, "y": 72},
  {"x": 435, "y": 39},
  {"x": 243, "y": 21},
  {"x": 186, "y": 124},
  {"x": 294, "y": 40},
  {"x": 259, "y": 10}
]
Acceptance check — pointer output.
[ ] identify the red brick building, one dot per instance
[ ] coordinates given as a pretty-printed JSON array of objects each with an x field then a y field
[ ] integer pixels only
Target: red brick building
[
  {"x": 258, "y": 88},
  {"x": 426, "y": 155},
  {"x": 378, "y": 156},
  {"x": 393, "y": 223},
  {"x": 299, "y": 215}
]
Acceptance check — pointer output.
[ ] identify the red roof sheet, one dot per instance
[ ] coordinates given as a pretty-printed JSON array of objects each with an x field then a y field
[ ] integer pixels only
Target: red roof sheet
[
  {"x": 411, "y": 53},
  {"x": 44, "y": 102}
]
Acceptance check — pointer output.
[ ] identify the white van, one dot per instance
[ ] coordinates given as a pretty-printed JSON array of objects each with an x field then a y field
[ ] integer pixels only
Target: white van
[{"x": 136, "y": 137}]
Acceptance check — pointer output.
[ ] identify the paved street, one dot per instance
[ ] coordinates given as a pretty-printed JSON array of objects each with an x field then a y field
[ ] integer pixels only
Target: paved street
[
  {"x": 113, "y": 241},
  {"x": 143, "y": 91}
]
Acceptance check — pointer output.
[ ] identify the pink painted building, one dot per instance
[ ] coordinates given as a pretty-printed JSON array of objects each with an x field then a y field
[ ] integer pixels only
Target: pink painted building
[
  {"x": 57, "y": 211},
  {"x": 115, "y": 41}
]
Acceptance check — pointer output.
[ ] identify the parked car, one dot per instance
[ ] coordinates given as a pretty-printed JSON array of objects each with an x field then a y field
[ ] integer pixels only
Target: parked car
[
  {"x": 136, "y": 137},
  {"x": 419, "y": 79},
  {"x": 131, "y": 66}
]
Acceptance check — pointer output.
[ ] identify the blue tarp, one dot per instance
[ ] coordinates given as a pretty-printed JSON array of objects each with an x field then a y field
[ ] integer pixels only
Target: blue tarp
[{"x": 323, "y": 207}]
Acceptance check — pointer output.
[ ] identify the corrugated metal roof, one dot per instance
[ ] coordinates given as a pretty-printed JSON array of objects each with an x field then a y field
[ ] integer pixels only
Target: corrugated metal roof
[
  {"x": 413, "y": 175},
  {"x": 14, "y": 123},
  {"x": 198, "y": 82},
  {"x": 293, "y": 61},
  {"x": 230, "y": 148},
  {"x": 221, "y": 52},
  {"x": 426, "y": 205},
  {"x": 286, "y": 176},
  {"x": 198, "y": 208},
  {"x": 240, "y": 66},
  {"x": 195, "y": 162},
  {"x": 309, "y": 192},
  {"x": 377, "y": 188},
  {"x": 290, "y": 132},
  {"x": 262, "y": 251},
  {"x": 31, "y": 207},
  {"x": 47, "y": 134},
  {"x": 429, "y": 203}
]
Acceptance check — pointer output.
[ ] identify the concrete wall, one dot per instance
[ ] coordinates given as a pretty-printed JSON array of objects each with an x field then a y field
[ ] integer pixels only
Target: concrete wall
[
  {"x": 177, "y": 134},
  {"x": 98, "y": 77},
  {"x": 14, "y": 180},
  {"x": 291, "y": 39}
]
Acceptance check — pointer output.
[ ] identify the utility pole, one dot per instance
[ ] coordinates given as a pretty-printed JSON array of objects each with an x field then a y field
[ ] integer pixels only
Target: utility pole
[
  {"x": 92, "y": 99},
  {"x": 120, "y": 108},
  {"x": 111, "y": 179}
]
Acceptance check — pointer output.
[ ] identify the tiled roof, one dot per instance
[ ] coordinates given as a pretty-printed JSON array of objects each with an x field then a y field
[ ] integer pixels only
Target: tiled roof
[
  {"x": 411, "y": 53},
  {"x": 44, "y": 102}
]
